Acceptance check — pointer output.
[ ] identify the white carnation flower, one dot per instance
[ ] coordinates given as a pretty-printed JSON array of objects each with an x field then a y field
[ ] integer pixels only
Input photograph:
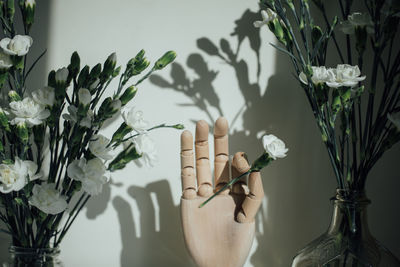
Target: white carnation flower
[
  {"x": 18, "y": 46},
  {"x": 98, "y": 147},
  {"x": 84, "y": 96},
  {"x": 134, "y": 119},
  {"x": 146, "y": 147},
  {"x": 5, "y": 61},
  {"x": 267, "y": 16},
  {"x": 13, "y": 177},
  {"x": 90, "y": 174},
  {"x": 346, "y": 75},
  {"x": 274, "y": 146},
  {"x": 320, "y": 75},
  {"x": 28, "y": 111},
  {"x": 48, "y": 199},
  {"x": 44, "y": 96},
  {"x": 357, "y": 19},
  {"x": 72, "y": 116},
  {"x": 395, "y": 119}
]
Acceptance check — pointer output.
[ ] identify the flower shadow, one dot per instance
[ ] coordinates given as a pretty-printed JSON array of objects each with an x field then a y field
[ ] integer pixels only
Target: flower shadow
[{"x": 158, "y": 222}]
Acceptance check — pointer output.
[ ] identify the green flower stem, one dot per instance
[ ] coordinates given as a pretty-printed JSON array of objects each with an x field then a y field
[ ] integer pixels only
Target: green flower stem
[
  {"x": 225, "y": 187},
  {"x": 145, "y": 76},
  {"x": 148, "y": 130}
]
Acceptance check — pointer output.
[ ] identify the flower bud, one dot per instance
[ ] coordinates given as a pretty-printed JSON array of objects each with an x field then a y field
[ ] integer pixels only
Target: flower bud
[
  {"x": 140, "y": 66},
  {"x": 13, "y": 96},
  {"x": 28, "y": 12},
  {"x": 22, "y": 132},
  {"x": 84, "y": 96},
  {"x": 178, "y": 126},
  {"x": 129, "y": 93},
  {"x": 74, "y": 66},
  {"x": 112, "y": 60},
  {"x": 167, "y": 58},
  {"x": 61, "y": 75},
  {"x": 4, "y": 121},
  {"x": 123, "y": 158}
]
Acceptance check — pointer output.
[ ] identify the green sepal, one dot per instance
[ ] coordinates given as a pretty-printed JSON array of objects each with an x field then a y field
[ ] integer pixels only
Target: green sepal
[
  {"x": 261, "y": 162},
  {"x": 123, "y": 158},
  {"x": 83, "y": 77},
  {"x": 121, "y": 132},
  {"x": 128, "y": 94}
]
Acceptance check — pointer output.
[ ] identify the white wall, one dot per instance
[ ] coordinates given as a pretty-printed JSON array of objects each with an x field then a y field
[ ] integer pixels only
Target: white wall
[{"x": 136, "y": 220}]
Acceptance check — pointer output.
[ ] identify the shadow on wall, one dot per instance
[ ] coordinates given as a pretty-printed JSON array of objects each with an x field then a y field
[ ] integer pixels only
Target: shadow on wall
[
  {"x": 37, "y": 78},
  {"x": 281, "y": 110},
  {"x": 296, "y": 207}
]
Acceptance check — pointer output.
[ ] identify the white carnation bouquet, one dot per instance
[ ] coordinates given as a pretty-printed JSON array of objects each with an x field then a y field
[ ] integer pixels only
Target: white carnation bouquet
[
  {"x": 358, "y": 115},
  {"x": 53, "y": 157}
]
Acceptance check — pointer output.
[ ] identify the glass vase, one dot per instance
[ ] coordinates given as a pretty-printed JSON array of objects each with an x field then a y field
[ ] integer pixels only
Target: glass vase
[
  {"x": 348, "y": 241},
  {"x": 33, "y": 257}
]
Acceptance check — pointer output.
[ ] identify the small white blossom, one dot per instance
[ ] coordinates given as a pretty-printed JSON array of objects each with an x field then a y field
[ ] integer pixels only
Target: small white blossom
[
  {"x": 13, "y": 177},
  {"x": 395, "y": 119},
  {"x": 346, "y": 75},
  {"x": 84, "y": 96},
  {"x": 90, "y": 173},
  {"x": 62, "y": 75},
  {"x": 320, "y": 75},
  {"x": 30, "y": 3},
  {"x": 267, "y": 16},
  {"x": 72, "y": 114},
  {"x": 98, "y": 147},
  {"x": 5, "y": 61},
  {"x": 357, "y": 19},
  {"x": 48, "y": 199},
  {"x": 28, "y": 111},
  {"x": 146, "y": 147},
  {"x": 44, "y": 96},
  {"x": 274, "y": 146},
  {"x": 18, "y": 46},
  {"x": 134, "y": 119}
]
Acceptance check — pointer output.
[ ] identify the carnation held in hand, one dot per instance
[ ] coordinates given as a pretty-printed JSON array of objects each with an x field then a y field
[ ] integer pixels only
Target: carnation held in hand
[
  {"x": 14, "y": 177},
  {"x": 274, "y": 146},
  {"x": 17, "y": 46},
  {"x": 48, "y": 199},
  {"x": 89, "y": 173},
  {"x": 28, "y": 111}
]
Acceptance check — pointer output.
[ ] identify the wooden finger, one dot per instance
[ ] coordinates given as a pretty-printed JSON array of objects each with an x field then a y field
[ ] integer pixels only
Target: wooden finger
[
  {"x": 221, "y": 149},
  {"x": 239, "y": 166},
  {"x": 187, "y": 166},
  {"x": 203, "y": 169},
  {"x": 253, "y": 200}
]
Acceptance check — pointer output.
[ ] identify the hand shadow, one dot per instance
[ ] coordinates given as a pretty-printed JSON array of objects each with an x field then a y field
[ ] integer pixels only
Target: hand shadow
[{"x": 166, "y": 243}]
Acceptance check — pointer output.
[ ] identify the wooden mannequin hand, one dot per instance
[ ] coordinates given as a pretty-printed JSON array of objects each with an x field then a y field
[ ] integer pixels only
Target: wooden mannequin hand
[{"x": 221, "y": 233}]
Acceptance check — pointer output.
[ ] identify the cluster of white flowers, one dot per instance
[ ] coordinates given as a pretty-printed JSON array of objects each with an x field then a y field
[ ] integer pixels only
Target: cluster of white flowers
[
  {"x": 274, "y": 146},
  {"x": 48, "y": 199},
  {"x": 14, "y": 177},
  {"x": 90, "y": 173},
  {"x": 342, "y": 75}
]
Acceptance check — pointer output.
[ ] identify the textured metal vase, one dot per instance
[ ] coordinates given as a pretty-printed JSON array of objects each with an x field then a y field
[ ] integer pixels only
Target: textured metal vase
[{"x": 348, "y": 242}]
